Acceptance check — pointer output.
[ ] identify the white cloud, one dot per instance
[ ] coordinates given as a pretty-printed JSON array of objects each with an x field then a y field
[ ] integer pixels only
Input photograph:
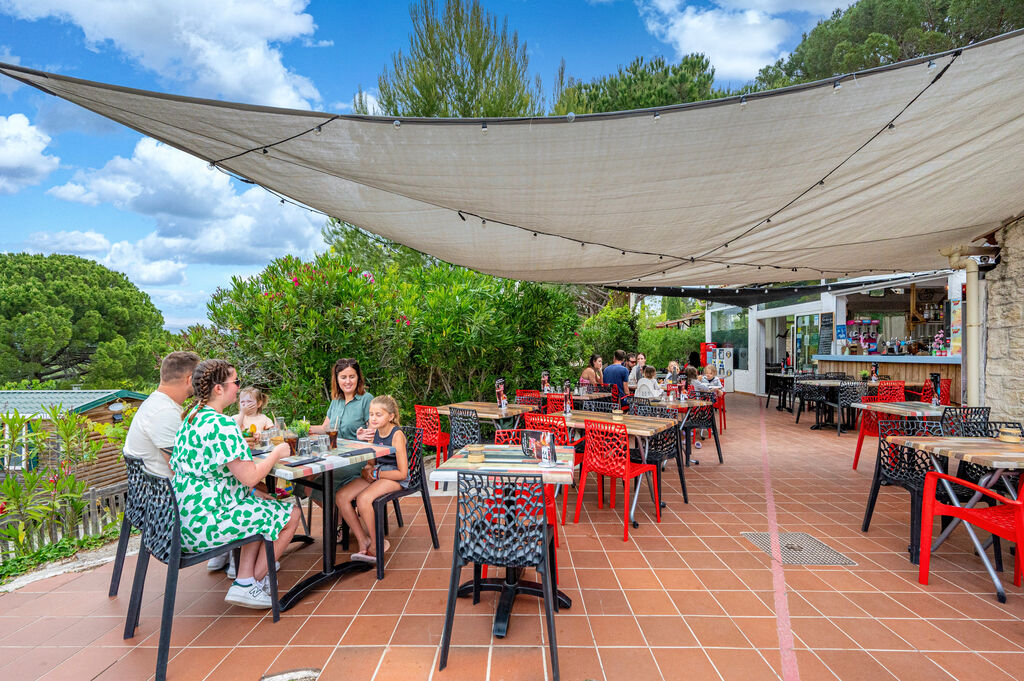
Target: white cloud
[
  {"x": 75, "y": 242},
  {"x": 129, "y": 258},
  {"x": 199, "y": 215},
  {"x": 814, "y": 7},
  {"x": 23, "y": 162},
  {"x": 309, "y": 42},
  {"x": 738, "y": 36},
  {"x": 8, "y": 85},
  {"x": 224, "y": 48}
]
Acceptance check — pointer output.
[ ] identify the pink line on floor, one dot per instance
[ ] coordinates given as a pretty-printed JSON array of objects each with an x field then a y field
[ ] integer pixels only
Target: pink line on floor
[{"x": 790, "y": 669}]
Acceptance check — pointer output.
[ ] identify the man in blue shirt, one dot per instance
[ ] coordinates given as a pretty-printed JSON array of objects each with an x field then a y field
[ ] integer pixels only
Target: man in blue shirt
[{"x": 617, "y": 374}]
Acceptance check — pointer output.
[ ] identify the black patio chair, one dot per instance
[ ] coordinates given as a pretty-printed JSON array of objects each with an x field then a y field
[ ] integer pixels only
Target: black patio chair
[
  {"x": 965, "y": 421},
  {"x": 902, "y": 467},
  {"x": 848, "y": 393},
  {"x": 414, "y": 438},
  {"x": 134, "y": 515},
  {"x": 635, "y": 402},
  {"x": 808, "y": 394},
  {"x": 465, "y": 430},
  {"x": 602, "y": 406},
  {"x": 161, "y": 538},
  {"x": 662, "y": 447},
  {"x": 695, "y": 420},
  {"x": 501, "y": 520}
]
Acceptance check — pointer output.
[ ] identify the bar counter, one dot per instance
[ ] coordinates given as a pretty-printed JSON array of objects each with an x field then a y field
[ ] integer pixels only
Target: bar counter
[{"x": 913, "y": 369}]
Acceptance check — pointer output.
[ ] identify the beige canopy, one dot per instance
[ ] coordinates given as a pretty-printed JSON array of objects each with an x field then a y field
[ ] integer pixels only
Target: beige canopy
[{"x": 871, "y": 172}]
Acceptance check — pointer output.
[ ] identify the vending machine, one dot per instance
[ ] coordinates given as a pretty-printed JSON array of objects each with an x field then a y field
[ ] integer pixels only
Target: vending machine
[
  {"x": 707, "y": 351},
  {"x": 722, "y": 358}
]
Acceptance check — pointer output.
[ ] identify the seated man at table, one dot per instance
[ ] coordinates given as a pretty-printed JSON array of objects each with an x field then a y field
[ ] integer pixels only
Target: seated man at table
[
  {"x": 158, "y": 418},
  {"x": 617, "y": 373}
]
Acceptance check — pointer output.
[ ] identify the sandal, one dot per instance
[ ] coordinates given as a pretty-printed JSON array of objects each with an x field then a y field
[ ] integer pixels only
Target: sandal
[{"x": 363, "y": 558}]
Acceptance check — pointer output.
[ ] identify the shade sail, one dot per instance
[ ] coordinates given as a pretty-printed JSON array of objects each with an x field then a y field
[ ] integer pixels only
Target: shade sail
[{"x": 807, "y": 182}]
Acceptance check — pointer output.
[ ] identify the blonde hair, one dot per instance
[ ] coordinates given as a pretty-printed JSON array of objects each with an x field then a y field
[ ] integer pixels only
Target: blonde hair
[
  {"x": 712, "y": 369},
  {"x": 390, "y": 406},
  {"x": 258, "y": 395}
]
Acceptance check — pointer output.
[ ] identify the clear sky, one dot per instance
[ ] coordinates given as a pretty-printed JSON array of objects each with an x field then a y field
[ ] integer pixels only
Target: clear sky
[{"x": 72, "y": 182}]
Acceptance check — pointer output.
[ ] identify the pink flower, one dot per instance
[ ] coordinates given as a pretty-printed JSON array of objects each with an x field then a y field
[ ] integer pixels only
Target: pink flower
[
  {"x": 350, "y": 270},
  {"x": 407, "y": 322}
]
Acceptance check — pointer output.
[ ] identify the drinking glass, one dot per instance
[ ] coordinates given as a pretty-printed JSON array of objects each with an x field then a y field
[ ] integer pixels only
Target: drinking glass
[{"x": 279, "y": 423}]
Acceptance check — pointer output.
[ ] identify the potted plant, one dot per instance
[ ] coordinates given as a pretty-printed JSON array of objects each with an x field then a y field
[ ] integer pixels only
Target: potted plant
[{"x": 865, "y": 374}]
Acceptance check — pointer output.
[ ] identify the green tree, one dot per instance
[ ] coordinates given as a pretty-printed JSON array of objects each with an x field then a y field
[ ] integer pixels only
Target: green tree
[
  {"x": 640, "y": 85},
  {"x": 460, "y": 63},
  {"x": 872, "y": 33},
  {"x": 613, "y": 328},
  {"x": 63, "y": 317}
]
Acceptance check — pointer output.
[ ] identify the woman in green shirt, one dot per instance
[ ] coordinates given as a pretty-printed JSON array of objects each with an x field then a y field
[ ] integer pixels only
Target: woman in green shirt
[{"x": 348, "y": 413}]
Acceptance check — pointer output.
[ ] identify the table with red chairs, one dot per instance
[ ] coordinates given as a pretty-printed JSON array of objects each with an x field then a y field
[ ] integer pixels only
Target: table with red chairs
[
  {"x": 509, "y": 460},
  {"x": 983, "y": 451},
  {"x": 640, "y": 427},
  {"x": 923, "y": 410},
  {"x": 492, "y": 411}
]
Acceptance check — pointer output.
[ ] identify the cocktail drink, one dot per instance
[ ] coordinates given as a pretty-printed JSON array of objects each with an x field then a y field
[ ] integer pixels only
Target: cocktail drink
[{"x": 333, "y": 435}]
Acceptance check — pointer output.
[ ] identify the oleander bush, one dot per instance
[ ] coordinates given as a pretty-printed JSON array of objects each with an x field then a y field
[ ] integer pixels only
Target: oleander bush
[{"x": 427, "y": 333}]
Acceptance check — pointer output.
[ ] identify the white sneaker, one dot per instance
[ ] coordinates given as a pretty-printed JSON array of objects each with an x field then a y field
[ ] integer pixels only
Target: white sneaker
[
  {"x": 252, "y": 596},
  {"x": 697, "y": 445},
  {"x": 232, "y": 568},
  {"x": 218, "y": 563}
]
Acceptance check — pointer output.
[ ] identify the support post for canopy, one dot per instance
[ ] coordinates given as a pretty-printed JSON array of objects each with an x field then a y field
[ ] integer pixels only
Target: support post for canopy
[{"x": 959, "y": 258}]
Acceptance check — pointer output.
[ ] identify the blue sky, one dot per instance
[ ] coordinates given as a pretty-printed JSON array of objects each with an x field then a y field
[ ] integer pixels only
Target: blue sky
[{"x": 72, "y": 182}]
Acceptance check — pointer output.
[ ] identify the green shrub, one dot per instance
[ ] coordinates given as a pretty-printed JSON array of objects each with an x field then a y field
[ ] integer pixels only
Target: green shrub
[
  {"x": 425, "y": 334},
  {"x": 664, "y": 345},
  {"x": 611, "y": 329}
]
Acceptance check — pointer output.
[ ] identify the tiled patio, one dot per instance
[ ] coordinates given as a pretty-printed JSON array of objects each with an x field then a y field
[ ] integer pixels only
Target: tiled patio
[{"x": 687, "y": 599}]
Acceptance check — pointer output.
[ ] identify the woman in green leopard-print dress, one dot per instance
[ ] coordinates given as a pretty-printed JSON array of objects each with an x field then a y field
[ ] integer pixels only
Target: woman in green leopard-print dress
[{"x": 214, "y": 474}]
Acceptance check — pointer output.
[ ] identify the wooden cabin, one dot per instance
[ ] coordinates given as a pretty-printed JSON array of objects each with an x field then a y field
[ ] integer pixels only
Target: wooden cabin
[{"x": 107, "y": 468}]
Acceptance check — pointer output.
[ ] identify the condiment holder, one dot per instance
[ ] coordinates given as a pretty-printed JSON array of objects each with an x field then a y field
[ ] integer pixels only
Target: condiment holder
[
  {"x": 1009, "y": 435},
  {"x": 616, "y": 415}
]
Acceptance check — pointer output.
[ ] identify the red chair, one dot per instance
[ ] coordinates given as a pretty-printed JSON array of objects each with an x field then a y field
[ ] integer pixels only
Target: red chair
[
  {"x": 555, "y": 423},
  {"x": 606, "y": 452},
  {"x": 1005, "y": 519},
  {"x": 891, "y": 391},
  {"x": 531, "y": 397},
  {"x": 868, "y": 425},
  {"x": 556, "y": 402},
  {"x": 928, "y": 391},
  {"x": 429, "y": 421},
  {"x": 720, "y": 407}
]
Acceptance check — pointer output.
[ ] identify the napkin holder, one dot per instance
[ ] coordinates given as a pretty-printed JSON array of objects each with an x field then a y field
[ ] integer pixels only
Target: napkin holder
[{"x": 1009, "y": 435}]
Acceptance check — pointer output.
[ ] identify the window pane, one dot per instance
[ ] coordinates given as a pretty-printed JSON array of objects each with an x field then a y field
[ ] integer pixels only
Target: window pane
[{"x": 729, "y": 330}]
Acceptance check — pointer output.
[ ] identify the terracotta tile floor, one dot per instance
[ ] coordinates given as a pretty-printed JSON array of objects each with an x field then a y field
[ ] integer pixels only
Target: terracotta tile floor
[{"x": 687, "y": 599}]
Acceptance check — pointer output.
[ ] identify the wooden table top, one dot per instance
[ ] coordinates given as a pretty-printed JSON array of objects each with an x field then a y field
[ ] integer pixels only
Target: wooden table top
[
  {"x": 508, "y": 460},
  {"x": 920, "y": 409},
  {"x": 835, "y": 382},
  {"x": 986, "y": 451},
  {"x": 591, "y": 396},
  {"x": 489, "y": 411},
  {"x": 681, "y": 404},
  {"x": 347, "y": 452},
  {"x": 644, "y": 426}
]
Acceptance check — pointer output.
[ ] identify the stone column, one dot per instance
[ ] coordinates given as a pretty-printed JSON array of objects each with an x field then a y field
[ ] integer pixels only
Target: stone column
[{"x": 1004, "y": 367}]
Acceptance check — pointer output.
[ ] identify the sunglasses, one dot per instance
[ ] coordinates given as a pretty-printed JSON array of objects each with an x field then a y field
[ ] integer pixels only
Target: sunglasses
[{"x": 236, "y": 382}]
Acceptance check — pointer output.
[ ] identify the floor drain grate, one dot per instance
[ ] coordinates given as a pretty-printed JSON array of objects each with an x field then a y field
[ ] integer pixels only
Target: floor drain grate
[{"x": 799, "y": 548}]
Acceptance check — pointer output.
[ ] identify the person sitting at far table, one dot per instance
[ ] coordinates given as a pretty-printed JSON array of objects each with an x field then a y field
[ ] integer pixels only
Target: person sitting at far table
[
  {"x": 592, "y": 373},
  {"x": 648, "y": 385},
  {"x": 618, "y": 373}
]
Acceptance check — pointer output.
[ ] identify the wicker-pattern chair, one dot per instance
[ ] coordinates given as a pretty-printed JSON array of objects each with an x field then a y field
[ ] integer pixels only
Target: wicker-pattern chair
[
  {"x": 161, "y": 538},
  {"x": 662, "y": 447},
  {"x": 902, "y": 467},
  {"x": 134, "y": 515},
  {"x": 501, "y": 521}
]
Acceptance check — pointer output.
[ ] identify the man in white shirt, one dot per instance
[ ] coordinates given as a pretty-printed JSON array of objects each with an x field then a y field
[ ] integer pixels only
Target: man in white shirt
[{"x": 156, "y": 423}]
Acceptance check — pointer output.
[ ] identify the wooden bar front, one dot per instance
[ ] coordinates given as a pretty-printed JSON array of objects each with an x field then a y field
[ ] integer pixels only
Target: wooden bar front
[{"x": 913, "y": 370}]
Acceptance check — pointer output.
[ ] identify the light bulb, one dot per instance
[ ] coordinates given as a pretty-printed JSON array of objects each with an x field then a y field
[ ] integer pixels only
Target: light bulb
[{"x": 398, "y": 123}]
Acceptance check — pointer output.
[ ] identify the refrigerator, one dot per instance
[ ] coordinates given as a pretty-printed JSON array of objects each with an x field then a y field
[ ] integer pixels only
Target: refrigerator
[{"x": 722, "y": 358}]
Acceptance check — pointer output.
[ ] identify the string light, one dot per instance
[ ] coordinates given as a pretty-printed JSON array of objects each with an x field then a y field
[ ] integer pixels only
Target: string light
[
  {"x": 570, "y": 116},
  {"x": 836, "y": 86},
  {"x": 265, "y": 151},
  {"x": 319, "y": 129},
  {"x": 210, "y": 166},
  {"x": 743, "y": 101},
  {"x": 397, "y": 123},
  {"x": 931, "y": 63},
  {"x": 657, "y": 116},
  {"x": 483, "y": 127}
]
